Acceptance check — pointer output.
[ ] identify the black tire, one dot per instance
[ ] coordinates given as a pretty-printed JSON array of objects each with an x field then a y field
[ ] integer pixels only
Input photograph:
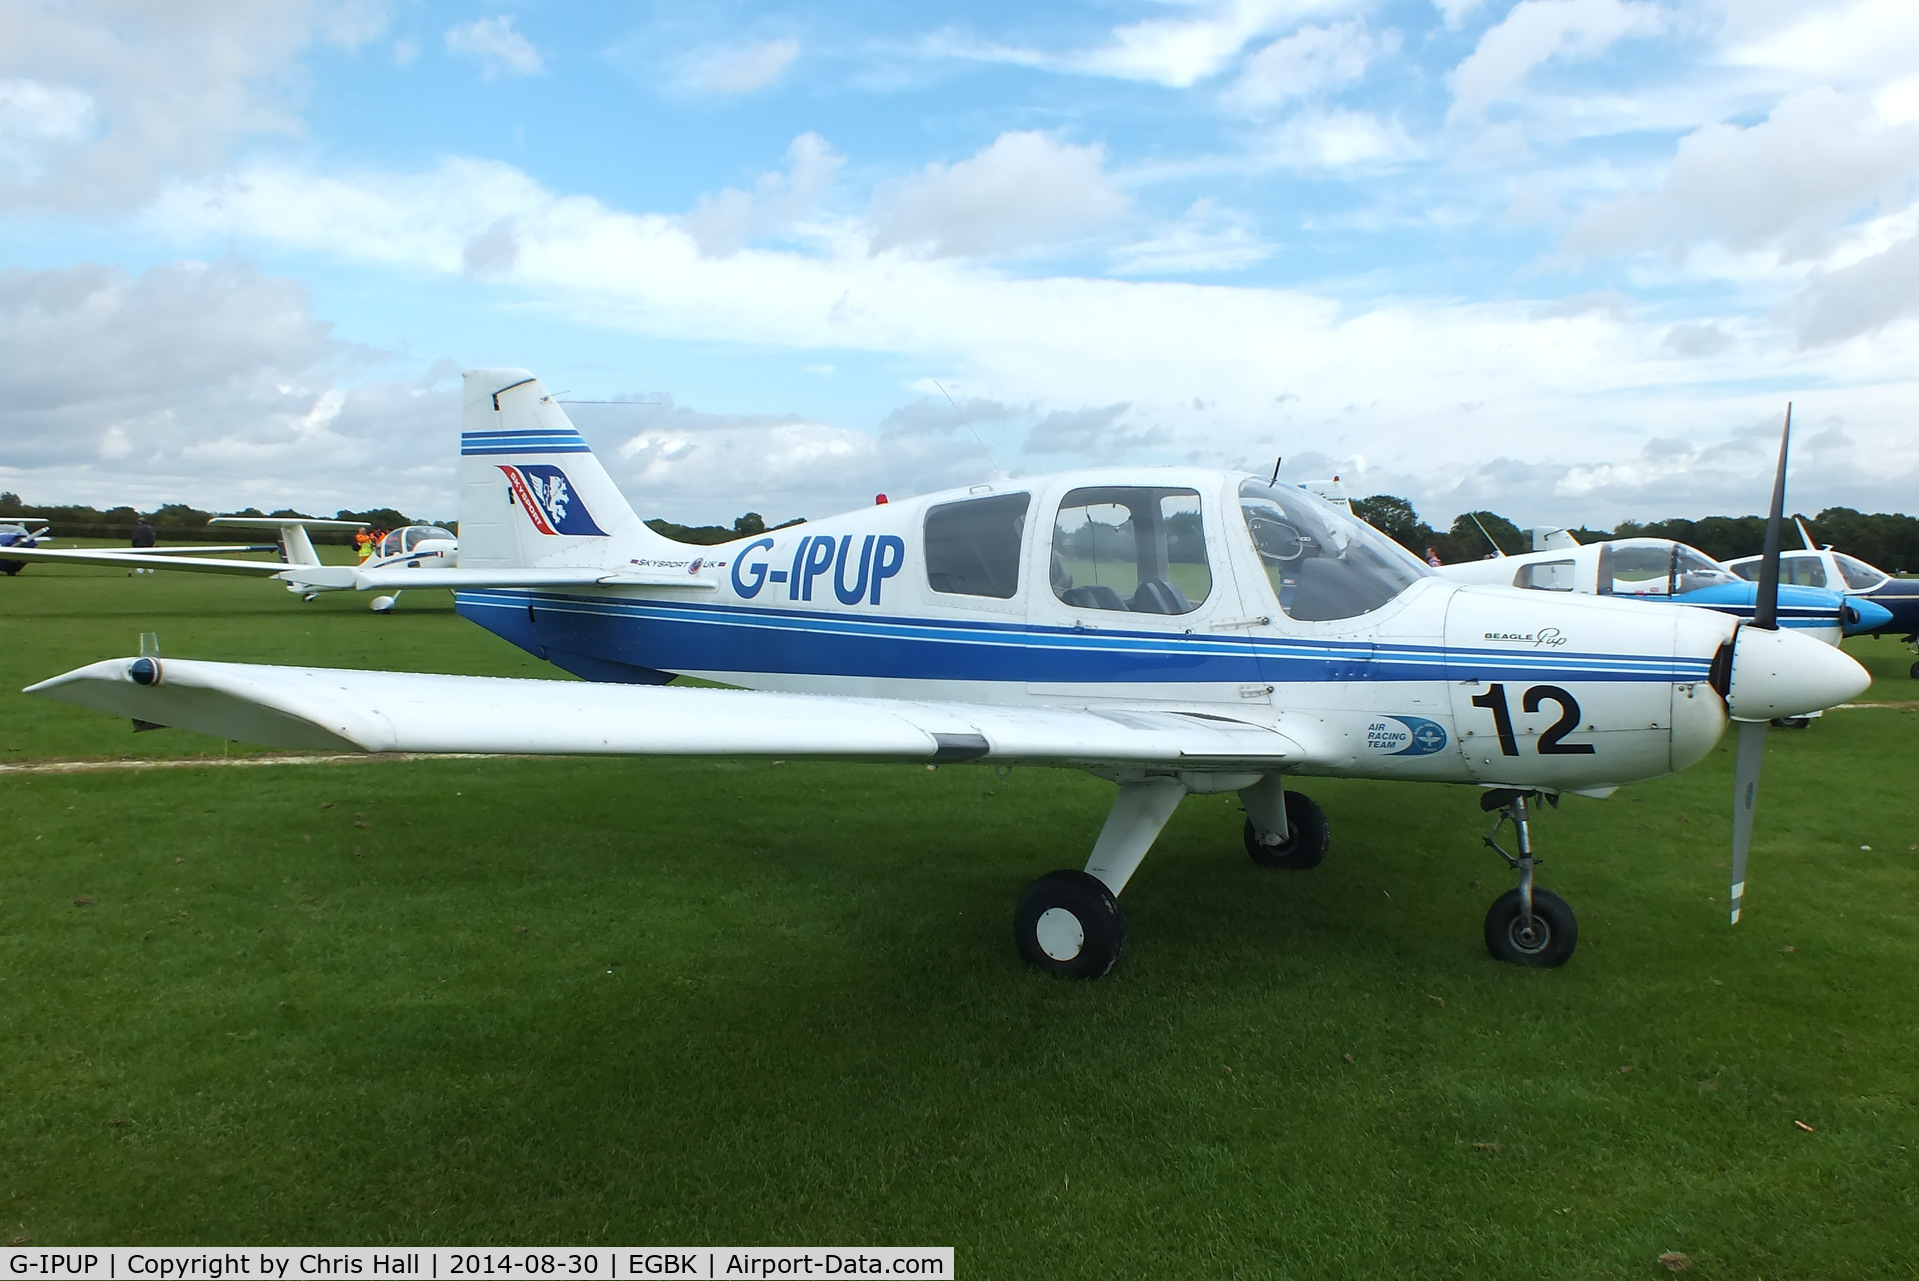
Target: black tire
[
  {"x": 1555, "y": 930},
  {"x": 1913, "y": 671},
  {"x": 1304, "y": 846},
  {"x": 1083, "y": 903},
  {"x": 1791, "y": 722}
]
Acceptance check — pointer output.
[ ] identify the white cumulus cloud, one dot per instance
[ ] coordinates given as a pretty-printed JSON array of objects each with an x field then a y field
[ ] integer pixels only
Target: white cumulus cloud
[
  {"x": 1310, "y": 62},
  {"x": 733, "y": 70},
  {"x": 1536, "y": 32},
  {"x": 1022, "y": 191},
  {"x": 496, "y": 46}
]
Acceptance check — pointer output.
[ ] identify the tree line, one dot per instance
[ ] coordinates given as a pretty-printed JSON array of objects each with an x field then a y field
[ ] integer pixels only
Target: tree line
[
  {"x": 1886, "y": 539},
  {"x": 177, "y": 522},
  {"x": 1889, "y": 540}
]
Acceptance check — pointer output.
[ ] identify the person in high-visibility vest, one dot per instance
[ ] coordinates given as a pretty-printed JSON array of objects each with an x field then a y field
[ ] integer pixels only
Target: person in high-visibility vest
[{"x": 363, "y": 542}]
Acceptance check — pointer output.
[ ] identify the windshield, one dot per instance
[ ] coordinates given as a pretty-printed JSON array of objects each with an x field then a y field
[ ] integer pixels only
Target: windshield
[
  {"x": 417, "y": 534},
  {"x": 1656, "y": 567},
  {"x": 1858, "y": 575},
  {"x": 1322, "y": 563}
]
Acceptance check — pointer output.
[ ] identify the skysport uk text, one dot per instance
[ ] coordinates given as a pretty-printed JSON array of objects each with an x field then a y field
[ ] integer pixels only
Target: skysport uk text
[{"x": 362, "y": 1263}]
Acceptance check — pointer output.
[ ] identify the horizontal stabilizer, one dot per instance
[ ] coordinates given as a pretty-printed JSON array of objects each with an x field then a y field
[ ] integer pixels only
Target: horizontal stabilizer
[{"x": 406, "y": 712}]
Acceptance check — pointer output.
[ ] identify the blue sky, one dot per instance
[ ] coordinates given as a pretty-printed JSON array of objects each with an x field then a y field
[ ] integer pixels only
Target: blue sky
[{"x": 1564, "y": 258}]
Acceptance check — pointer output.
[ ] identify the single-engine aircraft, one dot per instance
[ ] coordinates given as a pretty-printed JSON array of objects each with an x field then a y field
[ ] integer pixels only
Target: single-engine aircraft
[
  {"x": 409, "y": 548},
  {"x": 1661, "y": 570},
  {"x": 1170, "y": 629},
  {"x": 24, "y": 532},
  {"x": 1863, "y": 584}
]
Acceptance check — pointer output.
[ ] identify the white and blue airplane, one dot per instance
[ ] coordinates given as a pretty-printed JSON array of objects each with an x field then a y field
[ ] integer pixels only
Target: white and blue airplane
[
  {"x": 1174, "y": 630},
  {"x": 1659, "y": 570}
]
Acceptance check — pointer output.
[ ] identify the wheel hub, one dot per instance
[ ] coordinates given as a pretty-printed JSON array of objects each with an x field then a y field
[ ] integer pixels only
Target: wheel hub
[
  {"x": 1530, "y": 938},
  {"x": 1059, "y": 933}
]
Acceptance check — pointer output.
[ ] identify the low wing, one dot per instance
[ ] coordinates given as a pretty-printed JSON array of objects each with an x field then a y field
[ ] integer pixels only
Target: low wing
[
  {"x": 401, "y": 711},
  {"x": 402, "y": 577},
  {"x": 145, "y": 558}
]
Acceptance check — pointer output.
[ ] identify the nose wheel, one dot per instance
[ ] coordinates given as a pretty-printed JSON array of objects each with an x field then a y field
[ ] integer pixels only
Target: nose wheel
[{"x": 1526, "y": 925}]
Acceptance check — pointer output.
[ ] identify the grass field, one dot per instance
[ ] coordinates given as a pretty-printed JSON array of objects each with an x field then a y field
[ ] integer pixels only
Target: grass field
[{"x": 656, "y": 1001}]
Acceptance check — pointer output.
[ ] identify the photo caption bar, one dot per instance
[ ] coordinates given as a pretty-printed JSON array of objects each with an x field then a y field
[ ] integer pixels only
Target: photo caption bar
[{"x": 373, "y": 1263}]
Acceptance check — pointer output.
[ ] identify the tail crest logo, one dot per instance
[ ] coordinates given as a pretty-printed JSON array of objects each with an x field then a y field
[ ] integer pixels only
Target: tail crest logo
[{"x": 549, "y": 501}]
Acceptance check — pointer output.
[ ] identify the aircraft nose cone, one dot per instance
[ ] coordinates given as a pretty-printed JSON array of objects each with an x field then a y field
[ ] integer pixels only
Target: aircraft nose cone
[
  {"x": 1779, "y": 673},
  {"x": 1872, "y": 616}
]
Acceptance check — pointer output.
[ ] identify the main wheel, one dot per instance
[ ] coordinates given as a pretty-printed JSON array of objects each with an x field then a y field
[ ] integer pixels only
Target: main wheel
[
  {"x": 1913, "y": 671},
  {"x": 1550, "y": 941},
  {"x": 1068, "y": 923},
  {"x": 1305, "y": 843}
]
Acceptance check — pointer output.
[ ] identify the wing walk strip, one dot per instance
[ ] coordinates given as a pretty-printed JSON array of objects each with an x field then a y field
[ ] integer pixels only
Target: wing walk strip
[{"x": 1023, "y": 636}]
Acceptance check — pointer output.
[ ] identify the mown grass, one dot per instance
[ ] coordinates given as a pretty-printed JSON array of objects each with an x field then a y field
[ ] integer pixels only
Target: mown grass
[{"x": 692, "y": 1002}]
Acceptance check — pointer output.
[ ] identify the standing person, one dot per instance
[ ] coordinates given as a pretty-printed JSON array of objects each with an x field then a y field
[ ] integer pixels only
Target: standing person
[
  {"x": 363, "y": 543},
  {"x": 1432, "y": 557},
  {"x": 143, "y": 535}
]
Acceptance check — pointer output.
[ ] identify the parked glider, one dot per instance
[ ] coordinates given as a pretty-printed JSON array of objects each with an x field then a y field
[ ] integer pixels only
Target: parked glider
[
  {"x": 1663, "y": 571},
  {"x": 409, "y": 548},
  {"x": 1173, "y": 630}
]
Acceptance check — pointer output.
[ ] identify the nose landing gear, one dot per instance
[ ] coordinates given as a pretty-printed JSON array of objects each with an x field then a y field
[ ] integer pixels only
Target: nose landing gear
[{"x": 1527, "y": 925}]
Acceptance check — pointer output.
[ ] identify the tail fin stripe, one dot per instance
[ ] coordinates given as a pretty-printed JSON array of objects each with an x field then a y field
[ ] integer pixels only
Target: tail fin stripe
[{"x": 523, "y": 442}]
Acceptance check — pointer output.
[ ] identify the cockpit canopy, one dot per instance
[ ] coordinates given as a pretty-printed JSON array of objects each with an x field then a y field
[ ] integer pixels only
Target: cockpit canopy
[
  {"x": 1322, "y": 563},
  {"x": 401, "y": 541},
  {"x": 1659, "y": 567}
]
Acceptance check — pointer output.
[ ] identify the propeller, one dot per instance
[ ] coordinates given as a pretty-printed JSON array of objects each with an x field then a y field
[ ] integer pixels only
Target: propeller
[{"x": 1752, "y": 734}]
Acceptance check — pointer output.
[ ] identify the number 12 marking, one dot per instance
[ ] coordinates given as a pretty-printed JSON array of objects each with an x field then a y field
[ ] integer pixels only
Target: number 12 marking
[{"x": 1551, "y": 742}]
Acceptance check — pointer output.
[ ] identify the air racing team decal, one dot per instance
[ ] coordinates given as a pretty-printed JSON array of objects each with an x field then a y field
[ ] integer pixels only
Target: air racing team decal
[{"x": 1405, "y": 736}]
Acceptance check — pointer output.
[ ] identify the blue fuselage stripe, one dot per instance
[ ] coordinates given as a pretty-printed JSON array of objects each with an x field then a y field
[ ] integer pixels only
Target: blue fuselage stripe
[{"x": 681, "y": 636}]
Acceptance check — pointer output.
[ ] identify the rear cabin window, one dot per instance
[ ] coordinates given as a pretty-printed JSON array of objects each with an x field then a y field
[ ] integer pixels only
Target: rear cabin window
[
  {"x": 1802, "y": 571},
  {"x": 1137, "y": 548},
  {"x": 1546, "y": 576},
  {"x": 972, "y": 547}
]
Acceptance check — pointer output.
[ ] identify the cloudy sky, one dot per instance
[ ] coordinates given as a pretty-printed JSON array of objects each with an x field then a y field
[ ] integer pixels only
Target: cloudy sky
[{"x": 1564, "y": 258}]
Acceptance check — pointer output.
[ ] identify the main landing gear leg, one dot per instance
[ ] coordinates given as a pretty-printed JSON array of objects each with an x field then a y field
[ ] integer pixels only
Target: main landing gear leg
[
  {"x": 1069, "y": 922},
  {"x": 1283, "y": 829},
  {"x": 1528, "y": 925}
]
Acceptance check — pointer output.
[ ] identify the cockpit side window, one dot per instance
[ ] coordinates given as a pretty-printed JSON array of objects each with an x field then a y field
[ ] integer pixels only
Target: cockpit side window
[
  {"x": 1322, "y": 563},
  {"x": 972, "y": 547},
  {"x": 394, "y": 543},
  {"x": 1139, "y": 548}
]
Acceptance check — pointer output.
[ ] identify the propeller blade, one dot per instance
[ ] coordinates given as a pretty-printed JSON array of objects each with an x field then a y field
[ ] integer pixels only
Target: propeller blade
[
  {"x": 1765, "y": 612},
  {"x": 1752, "y": 734},
  {"x": 1752, "y": 752}
]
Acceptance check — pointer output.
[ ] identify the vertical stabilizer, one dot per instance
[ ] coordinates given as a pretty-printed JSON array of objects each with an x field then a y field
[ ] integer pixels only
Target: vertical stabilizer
[{"x": 531, "y": 491}]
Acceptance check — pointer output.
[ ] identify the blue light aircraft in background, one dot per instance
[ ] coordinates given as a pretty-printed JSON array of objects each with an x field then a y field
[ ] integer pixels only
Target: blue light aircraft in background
[
  {"x": 1174, "y": 630},
  {"x": 1863, "y": 584},
  {"x": 1661, "y": 571}
]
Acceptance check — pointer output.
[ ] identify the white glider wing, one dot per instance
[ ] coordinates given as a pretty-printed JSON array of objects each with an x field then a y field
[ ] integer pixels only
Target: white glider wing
[
  {"x": 146, "y": 558},
  {"x": 405, "y": 712},
  {"x": 406, "y": 578}
]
